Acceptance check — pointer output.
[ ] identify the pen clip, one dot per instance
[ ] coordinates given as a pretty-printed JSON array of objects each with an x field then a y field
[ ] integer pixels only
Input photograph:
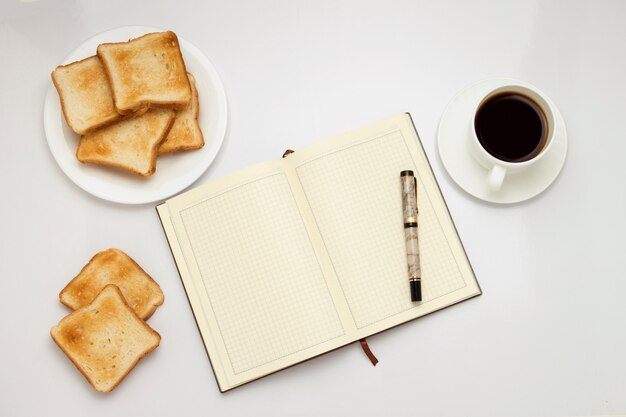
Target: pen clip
[{"x": 417, "y": 209}]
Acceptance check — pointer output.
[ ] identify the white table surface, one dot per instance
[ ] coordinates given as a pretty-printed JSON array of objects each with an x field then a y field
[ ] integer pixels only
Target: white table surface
[{"x": 547, "y": 338}]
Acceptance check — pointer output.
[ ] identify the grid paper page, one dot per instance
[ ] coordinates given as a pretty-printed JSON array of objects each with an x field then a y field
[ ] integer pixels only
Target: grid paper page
[
  {"x": 261, "y": 275},
  {"x": 355, "y": 197}
]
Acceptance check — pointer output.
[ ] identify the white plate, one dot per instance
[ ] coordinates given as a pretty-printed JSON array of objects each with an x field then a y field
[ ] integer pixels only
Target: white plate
[
  {"x": 174, "y": 172},
  {"x": 469, "y": 174}
]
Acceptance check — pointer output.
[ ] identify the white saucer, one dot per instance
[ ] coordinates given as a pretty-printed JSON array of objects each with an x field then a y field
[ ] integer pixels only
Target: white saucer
[
  {"x": 469, "y": 174},
  {"x": 174, "y": 172}
]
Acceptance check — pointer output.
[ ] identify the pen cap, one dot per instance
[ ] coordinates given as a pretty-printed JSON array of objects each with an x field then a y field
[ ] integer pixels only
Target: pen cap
[{"x": 409, "y": 197}]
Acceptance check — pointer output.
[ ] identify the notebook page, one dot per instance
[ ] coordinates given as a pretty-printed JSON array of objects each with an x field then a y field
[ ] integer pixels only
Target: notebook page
[
  {"x": 265, "y": 300},
  {"x": 352, "y": 186}
]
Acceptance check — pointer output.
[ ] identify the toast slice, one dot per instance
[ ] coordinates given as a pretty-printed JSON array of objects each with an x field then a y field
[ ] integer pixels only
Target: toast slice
[
  {"x": 105, "y": 339},
  {"x": 112, "y": 266},
  {"x": 185, "y": 133},
  {"x": 146, "y": 71},
  {"x": 131, "y": 144},
  {"x": 86, "y": 97}
]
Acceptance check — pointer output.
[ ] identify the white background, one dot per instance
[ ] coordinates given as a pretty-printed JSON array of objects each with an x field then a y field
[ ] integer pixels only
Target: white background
[{"x": 548, "y": 337}]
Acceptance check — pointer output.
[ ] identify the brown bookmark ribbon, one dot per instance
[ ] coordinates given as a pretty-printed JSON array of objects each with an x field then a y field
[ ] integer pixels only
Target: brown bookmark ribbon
[{"x": 368, "y": 352}]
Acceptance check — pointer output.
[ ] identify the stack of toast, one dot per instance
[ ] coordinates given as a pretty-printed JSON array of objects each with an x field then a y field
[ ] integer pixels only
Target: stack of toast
[
  {"x": 106, "y": 334},
  {"x": 131, "y": 102}
]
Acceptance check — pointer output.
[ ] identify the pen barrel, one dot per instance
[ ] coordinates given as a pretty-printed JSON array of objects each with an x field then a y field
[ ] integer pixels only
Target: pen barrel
[{"x": 412, "y": 252}]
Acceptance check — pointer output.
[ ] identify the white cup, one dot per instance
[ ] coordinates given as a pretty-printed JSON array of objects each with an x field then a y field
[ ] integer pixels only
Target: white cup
[{"x": 499, "y": 169}]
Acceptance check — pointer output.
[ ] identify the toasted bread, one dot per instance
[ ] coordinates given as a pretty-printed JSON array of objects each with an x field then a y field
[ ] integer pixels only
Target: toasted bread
[
  {"x": 131, "y": 144},
  {"x": 105, "y": 339},
  {"x": 86, "y": 97},
  {"x": 185, "y": 133},
  {"x": 112, "y": 266},
  {"x": 146, "y": 71}
]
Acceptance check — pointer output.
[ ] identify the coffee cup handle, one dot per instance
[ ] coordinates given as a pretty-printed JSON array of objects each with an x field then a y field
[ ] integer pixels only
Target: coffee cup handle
[{"x": 496, "y": 177}]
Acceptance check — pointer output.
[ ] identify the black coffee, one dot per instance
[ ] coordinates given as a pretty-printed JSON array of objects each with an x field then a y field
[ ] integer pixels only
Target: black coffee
[{"x": 511, "y": 127}]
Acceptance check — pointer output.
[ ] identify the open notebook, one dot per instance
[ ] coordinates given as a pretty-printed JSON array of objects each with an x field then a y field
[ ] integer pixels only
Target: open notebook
[{"x": 292, "y": 258}]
